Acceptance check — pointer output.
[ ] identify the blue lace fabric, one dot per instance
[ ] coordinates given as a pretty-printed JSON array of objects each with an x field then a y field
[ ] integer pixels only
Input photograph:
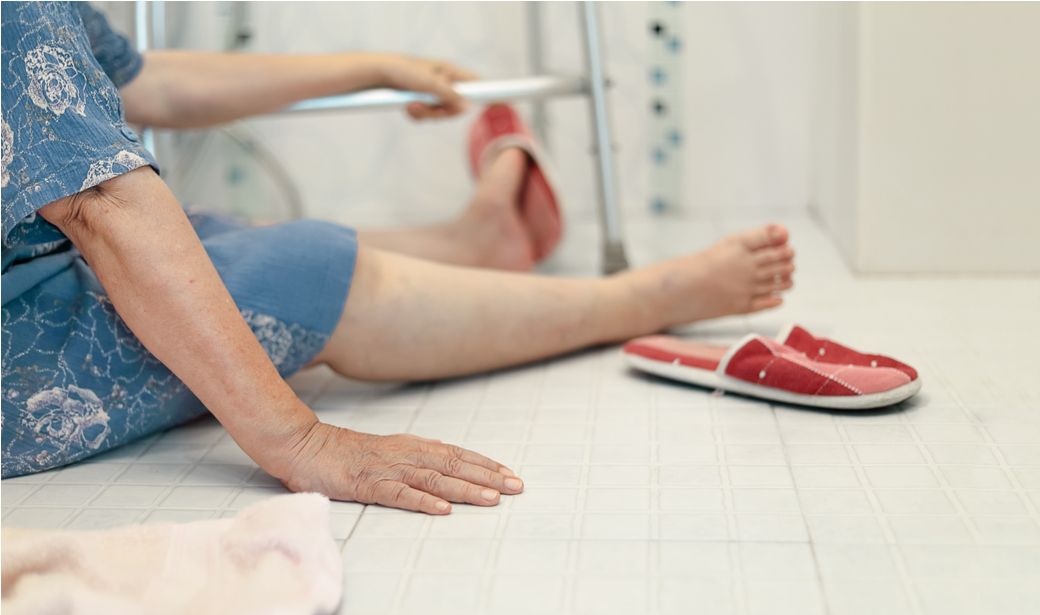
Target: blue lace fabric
[
  {"x": 63, "y": 129},
  {"x": 76, "y": 381}
]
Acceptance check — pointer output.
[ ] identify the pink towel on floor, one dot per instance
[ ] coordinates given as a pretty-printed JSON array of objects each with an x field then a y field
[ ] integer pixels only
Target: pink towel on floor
[{"x": 275, "y": 557}]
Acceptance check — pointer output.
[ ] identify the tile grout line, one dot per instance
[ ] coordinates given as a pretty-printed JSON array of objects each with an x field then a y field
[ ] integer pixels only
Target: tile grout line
[
  {"x": 945, "y": 486},
  {"x": 195, "y": 464},
  {"x": 101, "y": 487},
  {"x": 1006, "y": 468},
  {"x": 654, "y": 548},
  {"x": 738, "y": 586},
  {"x": 998, "y": 453},
  {"x": 892, "y": 544},
  {"x": 408, "y": 570},
  {"x": 570, "y": 589},
  {"x": 491, "y": 567},
  {"x": 821, "y": 586}
]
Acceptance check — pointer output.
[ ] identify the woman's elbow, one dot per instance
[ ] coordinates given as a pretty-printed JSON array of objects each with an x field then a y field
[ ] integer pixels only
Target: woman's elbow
[
  {"x": 89, "y": 213},
  {"x": 157, "y": 96}
]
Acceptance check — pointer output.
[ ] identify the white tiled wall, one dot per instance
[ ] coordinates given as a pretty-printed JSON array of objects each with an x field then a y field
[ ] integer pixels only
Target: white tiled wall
[
  {"x": 909, "y": 129},
  {"x": 649, "y": 497},
  {"x": 746, "y": 75}
]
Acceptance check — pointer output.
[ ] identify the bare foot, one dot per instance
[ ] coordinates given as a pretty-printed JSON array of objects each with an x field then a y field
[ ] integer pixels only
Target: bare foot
[
  {"x": 742, "y": 273},
  {"x": 489, "y": 233},
  {"x": 491, "y": 224}
]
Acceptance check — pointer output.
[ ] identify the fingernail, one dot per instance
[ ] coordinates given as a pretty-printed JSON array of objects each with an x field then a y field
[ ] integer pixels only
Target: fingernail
[
  {"x": 489, "y": 494},
  {"x": 514, "y": 483},
  {"x": 442, "y": 506}
]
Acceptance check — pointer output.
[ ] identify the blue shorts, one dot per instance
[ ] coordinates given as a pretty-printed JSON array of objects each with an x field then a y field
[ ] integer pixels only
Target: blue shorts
[{"x": 76, "y": 382}]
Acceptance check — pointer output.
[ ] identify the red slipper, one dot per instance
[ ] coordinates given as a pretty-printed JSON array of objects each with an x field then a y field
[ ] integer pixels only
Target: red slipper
[
  {"x": 760, "y": 367},
  {"x": 500, "y": 127},
  {"x": 824, "y": 350}
]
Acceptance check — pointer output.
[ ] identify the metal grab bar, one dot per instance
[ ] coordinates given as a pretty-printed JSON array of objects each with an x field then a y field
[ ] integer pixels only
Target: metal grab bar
[
  {"x": 593, "y": 85},
  {"x": 523, "y": 88}
]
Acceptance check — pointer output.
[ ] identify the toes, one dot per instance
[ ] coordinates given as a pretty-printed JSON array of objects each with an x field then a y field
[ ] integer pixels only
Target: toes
[
  {"x": 778, "y": 234},
  {"x": 771, "y": 235},
  {"x": 771, "y": 272},
  {"x": 769, "y": 256},
  {"x": 777, "y": 284},
  {"x": 765, "y": 302}
]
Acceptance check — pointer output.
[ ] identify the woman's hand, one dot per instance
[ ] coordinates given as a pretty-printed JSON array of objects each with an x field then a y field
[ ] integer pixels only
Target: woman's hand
[
  {"x": 435, "y": 77},
  {"x": 400, "y": 471}
]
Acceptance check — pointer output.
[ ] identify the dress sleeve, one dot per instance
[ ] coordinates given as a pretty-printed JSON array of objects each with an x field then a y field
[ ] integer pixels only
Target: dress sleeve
[
  {"x": 63, "y": 128},
  {"x": 113, "y": 51}
]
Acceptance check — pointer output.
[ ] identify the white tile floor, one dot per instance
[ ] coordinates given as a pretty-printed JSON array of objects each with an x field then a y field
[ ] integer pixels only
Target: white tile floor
[{"x": 648, "y": 497}]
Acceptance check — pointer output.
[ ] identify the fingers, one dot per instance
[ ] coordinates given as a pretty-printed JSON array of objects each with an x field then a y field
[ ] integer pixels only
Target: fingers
[
  {"x": 478, "y": 459},
  {"x": 471, "y": 473},
  {"x": 420, "y": 474},
  {"x": 468, "y": 465},
  {"x": 420, "y": 111},
  {"x": 399, "y": 495},
  {"x": 464, "y": 454},
  {"x": 467, "y": 455},
  {"x": 440, "y": 86},
  {"x": 457, "y": 73},
  {"x": 438, "y": 80},
  {"x": 451, "y": 489}
]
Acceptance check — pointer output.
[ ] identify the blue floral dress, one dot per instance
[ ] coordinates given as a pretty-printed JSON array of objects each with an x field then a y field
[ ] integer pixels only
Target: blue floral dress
[{"x": 76, "y": 382}]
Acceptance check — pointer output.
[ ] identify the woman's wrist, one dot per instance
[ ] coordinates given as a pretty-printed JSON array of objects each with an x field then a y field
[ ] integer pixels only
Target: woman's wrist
[
  {"x": 283, "y": 460},
  {"x": 275, "y": 441},
  {"x": 365, "y": 70}
]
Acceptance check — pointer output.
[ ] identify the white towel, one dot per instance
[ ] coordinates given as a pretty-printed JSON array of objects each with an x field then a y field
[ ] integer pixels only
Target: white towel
[{"x": 276, "y": 557}]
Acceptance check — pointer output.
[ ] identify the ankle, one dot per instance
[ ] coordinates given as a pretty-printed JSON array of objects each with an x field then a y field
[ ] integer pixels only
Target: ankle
[{"x": 493, "y": 234}]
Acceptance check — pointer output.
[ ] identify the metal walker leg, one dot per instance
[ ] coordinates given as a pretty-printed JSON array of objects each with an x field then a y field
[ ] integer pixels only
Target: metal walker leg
[
  {"x": 614, "y": 258},
  {"x": 149, "y": 33},
  {"x": 536, "y": 60}
]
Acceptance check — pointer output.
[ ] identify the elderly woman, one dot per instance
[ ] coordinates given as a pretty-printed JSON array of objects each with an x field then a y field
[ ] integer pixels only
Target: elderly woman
[{"x": 123, "y": 315}]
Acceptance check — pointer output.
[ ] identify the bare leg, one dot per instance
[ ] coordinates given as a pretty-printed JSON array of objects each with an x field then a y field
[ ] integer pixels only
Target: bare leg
[
  {"x": 488, "y": 234},
  {"x": 408, "y": 319}
]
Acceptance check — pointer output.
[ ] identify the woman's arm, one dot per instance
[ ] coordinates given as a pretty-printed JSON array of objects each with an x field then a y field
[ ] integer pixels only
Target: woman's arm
[
  {"x": 140, "y": 244},
  {"x": 138, "y": 241},
  {"x": 190, "y": 89}
]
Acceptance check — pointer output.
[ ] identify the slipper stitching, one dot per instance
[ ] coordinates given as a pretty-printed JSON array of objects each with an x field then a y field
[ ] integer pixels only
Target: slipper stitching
[
  {"x": 834, "y": 378},
  {"x": 765, "y": 369}
]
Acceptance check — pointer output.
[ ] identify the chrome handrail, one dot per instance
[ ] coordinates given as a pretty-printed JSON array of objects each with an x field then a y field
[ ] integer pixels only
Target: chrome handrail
[{"x": 522, "y": 88}]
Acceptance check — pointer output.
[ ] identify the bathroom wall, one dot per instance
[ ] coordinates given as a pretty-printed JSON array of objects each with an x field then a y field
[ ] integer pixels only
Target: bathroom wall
[
  {"x": 926, "y": 135},
  {"x": 909, "y": 130},
  {"x": 834, "y": 129},
  {"x": 745, "y": 121}
]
